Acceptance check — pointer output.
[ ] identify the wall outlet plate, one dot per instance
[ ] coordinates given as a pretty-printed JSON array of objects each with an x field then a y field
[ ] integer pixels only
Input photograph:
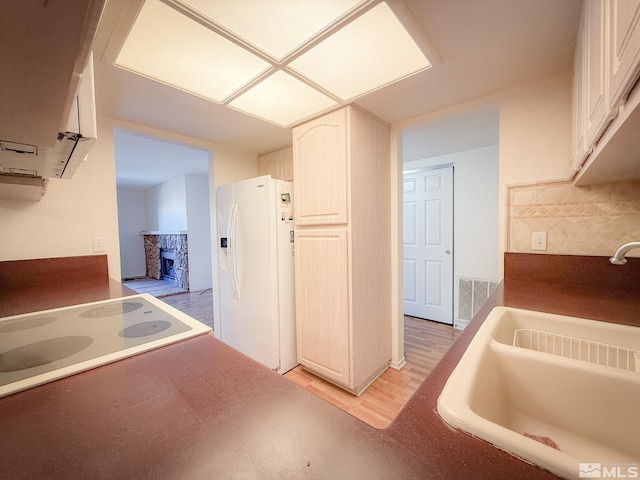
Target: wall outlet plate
[
  {"x": 98, "y": 245},
  {"x": 539, "y": 241}
]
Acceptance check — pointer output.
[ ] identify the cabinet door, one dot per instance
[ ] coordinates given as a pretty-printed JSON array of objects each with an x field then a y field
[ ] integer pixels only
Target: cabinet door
[
  {"x": 580, "y": 151},
  {"x": 270, "y": 165},
  {"x": 322, "y": 303},
  {"x": 597, "y": 108},
  {"x": 320, "y": 164},
  {"x": 287, "y": 164},
  {"x": 624, "y": 35}
]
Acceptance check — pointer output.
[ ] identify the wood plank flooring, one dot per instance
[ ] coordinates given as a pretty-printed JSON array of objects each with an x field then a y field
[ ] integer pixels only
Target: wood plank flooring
[
  {"x": 157, "y": 288},
  {"x": 198, "y": 305},
  {"x": 425, "y": 344}
]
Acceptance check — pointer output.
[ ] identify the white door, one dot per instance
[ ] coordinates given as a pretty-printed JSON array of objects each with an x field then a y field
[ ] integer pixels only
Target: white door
[{"x": 428, "y": 244}]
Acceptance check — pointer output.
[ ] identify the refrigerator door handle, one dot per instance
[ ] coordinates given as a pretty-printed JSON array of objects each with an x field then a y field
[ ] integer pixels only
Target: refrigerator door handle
[{"x": 232, "y": 249}]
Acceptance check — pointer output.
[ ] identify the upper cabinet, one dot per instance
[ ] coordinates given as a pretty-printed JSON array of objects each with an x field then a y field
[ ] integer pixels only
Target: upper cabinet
[
  {"x": 624, "y": 48},
  {"x": 597, "y": 111},
  {"x": 322, "y": 145},
  {"x": 45, "y": 48},
  {"x": 278, "y": 164},
  {"x": 606, "y": 69}
]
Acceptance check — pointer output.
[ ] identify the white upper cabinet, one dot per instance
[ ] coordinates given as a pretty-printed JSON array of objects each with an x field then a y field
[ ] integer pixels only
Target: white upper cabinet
[
  {"x": 580, "y": 151},
  {"x": 624, "y": 48},
  {"x": 606, "y": 70},
  {"x": 597, "y": 110}
]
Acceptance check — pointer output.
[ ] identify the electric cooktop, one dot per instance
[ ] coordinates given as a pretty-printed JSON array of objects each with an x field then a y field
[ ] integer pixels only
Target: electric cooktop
[{"x": 40, "y": 347}]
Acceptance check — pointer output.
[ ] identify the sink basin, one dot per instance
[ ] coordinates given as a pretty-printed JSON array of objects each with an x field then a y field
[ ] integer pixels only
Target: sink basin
[{"x": 560, "y": 392}]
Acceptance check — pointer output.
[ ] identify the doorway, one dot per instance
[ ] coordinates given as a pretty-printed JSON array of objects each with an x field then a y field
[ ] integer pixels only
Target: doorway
[
  {"x": 469, "y": 142},
  {"x": 163, "y": 209},
  {"x": 428, "y": 243}
]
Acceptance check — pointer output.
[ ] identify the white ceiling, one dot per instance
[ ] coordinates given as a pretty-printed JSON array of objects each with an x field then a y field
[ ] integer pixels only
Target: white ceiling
[{"x": 485, "y": 46}]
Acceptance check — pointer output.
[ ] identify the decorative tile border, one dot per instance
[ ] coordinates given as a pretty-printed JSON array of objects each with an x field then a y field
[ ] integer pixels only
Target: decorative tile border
[{"x": 592, "y": 220}]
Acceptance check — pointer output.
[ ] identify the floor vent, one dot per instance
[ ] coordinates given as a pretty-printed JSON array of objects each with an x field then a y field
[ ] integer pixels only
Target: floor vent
[{"x": 473, "y": 292}]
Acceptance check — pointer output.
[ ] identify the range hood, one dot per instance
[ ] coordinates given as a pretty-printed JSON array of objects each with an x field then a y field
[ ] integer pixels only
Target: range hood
[
  {"x": 71, "y": 146},
  {"x": 48, "y": 119}
]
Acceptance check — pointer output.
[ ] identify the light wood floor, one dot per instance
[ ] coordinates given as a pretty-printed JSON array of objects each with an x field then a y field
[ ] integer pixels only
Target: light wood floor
[
  {"x": 198, "y": 305},
  {"x": 157, "y": 288},
  {"x": 425, "y": 343}
]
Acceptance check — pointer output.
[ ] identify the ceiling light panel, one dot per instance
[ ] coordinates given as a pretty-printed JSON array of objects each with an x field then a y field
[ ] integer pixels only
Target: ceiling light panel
[
  {"x": 370, "y": 52},
  {"x": 275, "y": 27},
  {"x": 282, "y": 99},
  {"x": 169, "y": 47}
]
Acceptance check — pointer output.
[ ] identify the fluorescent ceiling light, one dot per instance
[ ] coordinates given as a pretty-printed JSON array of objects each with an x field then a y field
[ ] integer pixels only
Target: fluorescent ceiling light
[
  {"x": 369, "y": 53},
  {"x": 324, "y": 52},
  {"x": 173, "y": 49},
  {"x": 282, "y": 99},
  {"x": 277, "y": 28}
]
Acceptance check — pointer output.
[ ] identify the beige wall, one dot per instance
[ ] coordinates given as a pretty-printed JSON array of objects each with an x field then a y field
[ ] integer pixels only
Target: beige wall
[
  {"x": 74, "y": 211},
  {"x": 536, "y": 193},
  {"x": 64, "y": 222}
]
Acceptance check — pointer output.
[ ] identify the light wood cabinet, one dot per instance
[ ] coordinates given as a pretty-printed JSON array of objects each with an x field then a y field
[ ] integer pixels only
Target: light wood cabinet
[
  {"x": 323, "y": 299},
  {"x": 342, "y": 234},
  {"x": 278, "y": 164},
  {"x": 321, "y": 170}
]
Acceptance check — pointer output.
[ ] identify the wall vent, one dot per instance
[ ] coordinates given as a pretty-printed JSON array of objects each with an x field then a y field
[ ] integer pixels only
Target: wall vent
[{"x": 472, "y": 294}]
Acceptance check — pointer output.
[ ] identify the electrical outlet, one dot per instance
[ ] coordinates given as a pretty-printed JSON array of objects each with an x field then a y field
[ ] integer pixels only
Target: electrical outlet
[
  {"x": 539, "y": 241},
  {"x": 98, "y": 245}
]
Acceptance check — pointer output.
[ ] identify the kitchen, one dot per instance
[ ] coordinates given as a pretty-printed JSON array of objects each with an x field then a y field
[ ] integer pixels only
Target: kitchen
[{"x": 535, "y": 128}]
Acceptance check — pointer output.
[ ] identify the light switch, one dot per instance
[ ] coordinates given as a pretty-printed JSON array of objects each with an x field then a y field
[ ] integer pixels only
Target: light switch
[{"x": 539, "y": 241}]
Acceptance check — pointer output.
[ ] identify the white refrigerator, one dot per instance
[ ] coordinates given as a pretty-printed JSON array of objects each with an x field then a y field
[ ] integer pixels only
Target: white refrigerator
[{"x": 256, "y": 265}]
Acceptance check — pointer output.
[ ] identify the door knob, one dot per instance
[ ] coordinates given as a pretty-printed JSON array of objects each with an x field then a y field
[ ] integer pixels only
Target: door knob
[{"x": 448, "y": 252}]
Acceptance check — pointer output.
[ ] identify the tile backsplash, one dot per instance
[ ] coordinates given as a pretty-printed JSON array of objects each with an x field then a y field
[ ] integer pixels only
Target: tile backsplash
[{"x": 593, "y": 220}]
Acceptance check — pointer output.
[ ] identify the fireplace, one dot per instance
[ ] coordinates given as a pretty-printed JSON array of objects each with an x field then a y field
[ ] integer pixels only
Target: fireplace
[
  {"x": 166, "y": 257},
  {"x": 167, "y": 265}
]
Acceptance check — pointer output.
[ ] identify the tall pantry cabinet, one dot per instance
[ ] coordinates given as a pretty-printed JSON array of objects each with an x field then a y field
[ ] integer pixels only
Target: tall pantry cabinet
[{"x": 343, "y": 251}]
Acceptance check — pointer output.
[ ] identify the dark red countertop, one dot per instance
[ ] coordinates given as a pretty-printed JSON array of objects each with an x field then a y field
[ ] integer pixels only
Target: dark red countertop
[
  {"x": 41, "y": 284},
  {"x": 200, "y": 410}
]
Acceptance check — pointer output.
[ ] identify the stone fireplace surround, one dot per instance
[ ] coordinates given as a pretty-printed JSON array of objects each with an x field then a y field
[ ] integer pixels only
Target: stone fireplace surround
[{"x": 175, "y": 243}]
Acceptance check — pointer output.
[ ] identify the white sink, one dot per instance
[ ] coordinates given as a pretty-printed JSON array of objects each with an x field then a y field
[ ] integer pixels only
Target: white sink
[{"x": 563, "y": 387}]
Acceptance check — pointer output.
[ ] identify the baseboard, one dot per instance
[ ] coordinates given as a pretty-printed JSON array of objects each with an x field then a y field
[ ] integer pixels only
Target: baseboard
[{"x": 399, "y": 364}]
